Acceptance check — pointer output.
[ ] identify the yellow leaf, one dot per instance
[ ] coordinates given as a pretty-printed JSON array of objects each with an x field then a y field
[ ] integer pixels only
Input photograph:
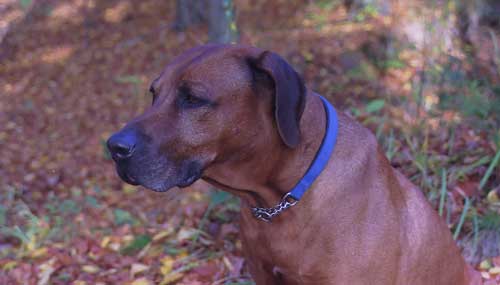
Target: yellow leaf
[
  {"x": 105, "y": 241},
  {"x": 90, "y": 268},
  {"x": 31, "y": 244},
  {"x": 162, "y": 234},
  {"x": 492, "y": 197},
  {"x": 39, "y": 252},
  {"x": 93, "y": 256},
  {"x": 141, "y": 281},
  {"x": 167, "y": 263},
  {"x": 197, "y": 196},
  {"x": 182, "y": 254},
  {"x": 9, "y": 265},
  {"x": 79, "y": 282},
  {"x": 137, "y": 268},
  {"x": 171, "y": 278},
  {"x": 155, "y": 251},
  {"x": 128, "y": 189}
]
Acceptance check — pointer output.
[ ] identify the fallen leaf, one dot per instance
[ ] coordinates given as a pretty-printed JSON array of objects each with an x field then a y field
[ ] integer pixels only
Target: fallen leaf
[
  {"x": 206, "y": 271},
  {"x": 492, "y": 197},
  {"x": 115, "y": 246},
  {"x": 9, "y": 265},
  {"x": 182, "y": 254},
  {"x": 485, "y": 265},
  {"x": 45, "y": 271},
  {"x": 141, "y": 281},
  {"x": 167, "y": 263},
  {"x": 105, "y": 241},
  {"x": 39, "y": 252},
  {"x": 136, "y": 268},
  {"x": 186, "y": 233},
  {"x": 171, "y": 278},
  {"x": 31, "y": 245},
  {"x": 90, "y": 268},
  {"x": 494, "y": 270},
  {"x": 129, "y": 189},
  {"x": 228, "y": 264},
  {"x": 136, "y": 245},
  {"x": 162, "y": 234}
]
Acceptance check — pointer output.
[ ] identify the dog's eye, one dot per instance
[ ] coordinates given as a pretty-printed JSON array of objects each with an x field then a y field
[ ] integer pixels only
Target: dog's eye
[{"x": 186, "y": 99}]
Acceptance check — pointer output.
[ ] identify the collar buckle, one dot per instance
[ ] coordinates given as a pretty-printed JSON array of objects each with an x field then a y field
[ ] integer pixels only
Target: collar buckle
[{"x": 266, "y": 214}]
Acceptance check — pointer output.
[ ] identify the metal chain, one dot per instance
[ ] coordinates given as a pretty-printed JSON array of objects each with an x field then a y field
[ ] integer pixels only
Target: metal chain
[{"x": 266, "y": 214}]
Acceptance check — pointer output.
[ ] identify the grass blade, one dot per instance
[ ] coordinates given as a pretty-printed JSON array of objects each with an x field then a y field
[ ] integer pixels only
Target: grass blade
[
  {"x": 476, "y": 232},
  {"x": 443, "y": 192},
  {"x": 492, "y": 166},
  {"x": 390, "y": 146},
  {"x": 462, "y": 218}
]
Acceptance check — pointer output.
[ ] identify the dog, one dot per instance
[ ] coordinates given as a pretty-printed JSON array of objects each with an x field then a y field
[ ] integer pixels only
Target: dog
[{"x": 242, "y": 119}]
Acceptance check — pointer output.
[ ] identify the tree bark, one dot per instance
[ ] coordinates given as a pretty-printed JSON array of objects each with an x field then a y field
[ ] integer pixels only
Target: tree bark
[
  {"x": 189, "y": 12},
  {"x": 218, "y": 14}
]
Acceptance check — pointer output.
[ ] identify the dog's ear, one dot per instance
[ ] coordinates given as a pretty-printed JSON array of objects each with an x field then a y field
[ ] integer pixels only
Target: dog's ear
[{"x": 289, "y": 93}]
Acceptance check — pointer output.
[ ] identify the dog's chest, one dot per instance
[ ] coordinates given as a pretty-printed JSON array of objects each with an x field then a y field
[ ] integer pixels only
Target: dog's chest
[{"x": 276, "y": 252}]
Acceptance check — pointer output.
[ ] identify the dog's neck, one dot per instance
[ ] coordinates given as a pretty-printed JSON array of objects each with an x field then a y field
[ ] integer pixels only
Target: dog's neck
[{"x": 262, "y": 181}]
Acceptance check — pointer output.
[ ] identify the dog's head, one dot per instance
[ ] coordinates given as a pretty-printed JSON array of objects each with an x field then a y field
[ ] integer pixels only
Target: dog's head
[{"x": 209, "y": 104}]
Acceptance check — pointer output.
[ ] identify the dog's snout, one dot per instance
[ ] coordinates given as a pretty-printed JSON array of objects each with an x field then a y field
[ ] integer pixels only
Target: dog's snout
[{"x": 122, "y": 144}]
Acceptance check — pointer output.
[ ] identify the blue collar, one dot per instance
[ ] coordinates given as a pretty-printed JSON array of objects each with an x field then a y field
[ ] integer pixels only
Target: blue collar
[
  {"x": 322, "y": 156},
  {"x": 319, "y": 163}
]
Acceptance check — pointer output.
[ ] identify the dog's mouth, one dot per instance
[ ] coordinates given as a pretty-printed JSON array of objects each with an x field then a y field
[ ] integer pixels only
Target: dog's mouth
[
  {"x": 126, "y": 177},
  {"x": 190, "y": 173}
]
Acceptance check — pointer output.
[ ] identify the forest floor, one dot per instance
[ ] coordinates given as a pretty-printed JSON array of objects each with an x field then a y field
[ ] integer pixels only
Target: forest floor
[{"x": 72, "y": 72}]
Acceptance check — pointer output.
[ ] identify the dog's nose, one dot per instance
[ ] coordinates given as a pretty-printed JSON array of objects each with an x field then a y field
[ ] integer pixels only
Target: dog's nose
[{"x": 122, "y": 144}]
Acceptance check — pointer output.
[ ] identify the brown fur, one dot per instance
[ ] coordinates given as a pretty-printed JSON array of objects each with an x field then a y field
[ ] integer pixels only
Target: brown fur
[{"x": 362, "y": 222}]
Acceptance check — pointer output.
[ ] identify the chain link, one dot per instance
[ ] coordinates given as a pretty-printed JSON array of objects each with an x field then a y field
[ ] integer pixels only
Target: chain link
[{"x": 266, "y": 214}]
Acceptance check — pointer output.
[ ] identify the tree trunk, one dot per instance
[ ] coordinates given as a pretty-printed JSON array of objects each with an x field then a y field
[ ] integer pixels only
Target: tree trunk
[
  {"x": 218, "y": 14},
  {"x": 189, "y": 12},
  {"x": 221, "y": 26}
]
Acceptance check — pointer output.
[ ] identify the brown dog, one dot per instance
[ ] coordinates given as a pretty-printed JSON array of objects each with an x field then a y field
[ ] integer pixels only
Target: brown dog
[{"x": 242, "y": 119}]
